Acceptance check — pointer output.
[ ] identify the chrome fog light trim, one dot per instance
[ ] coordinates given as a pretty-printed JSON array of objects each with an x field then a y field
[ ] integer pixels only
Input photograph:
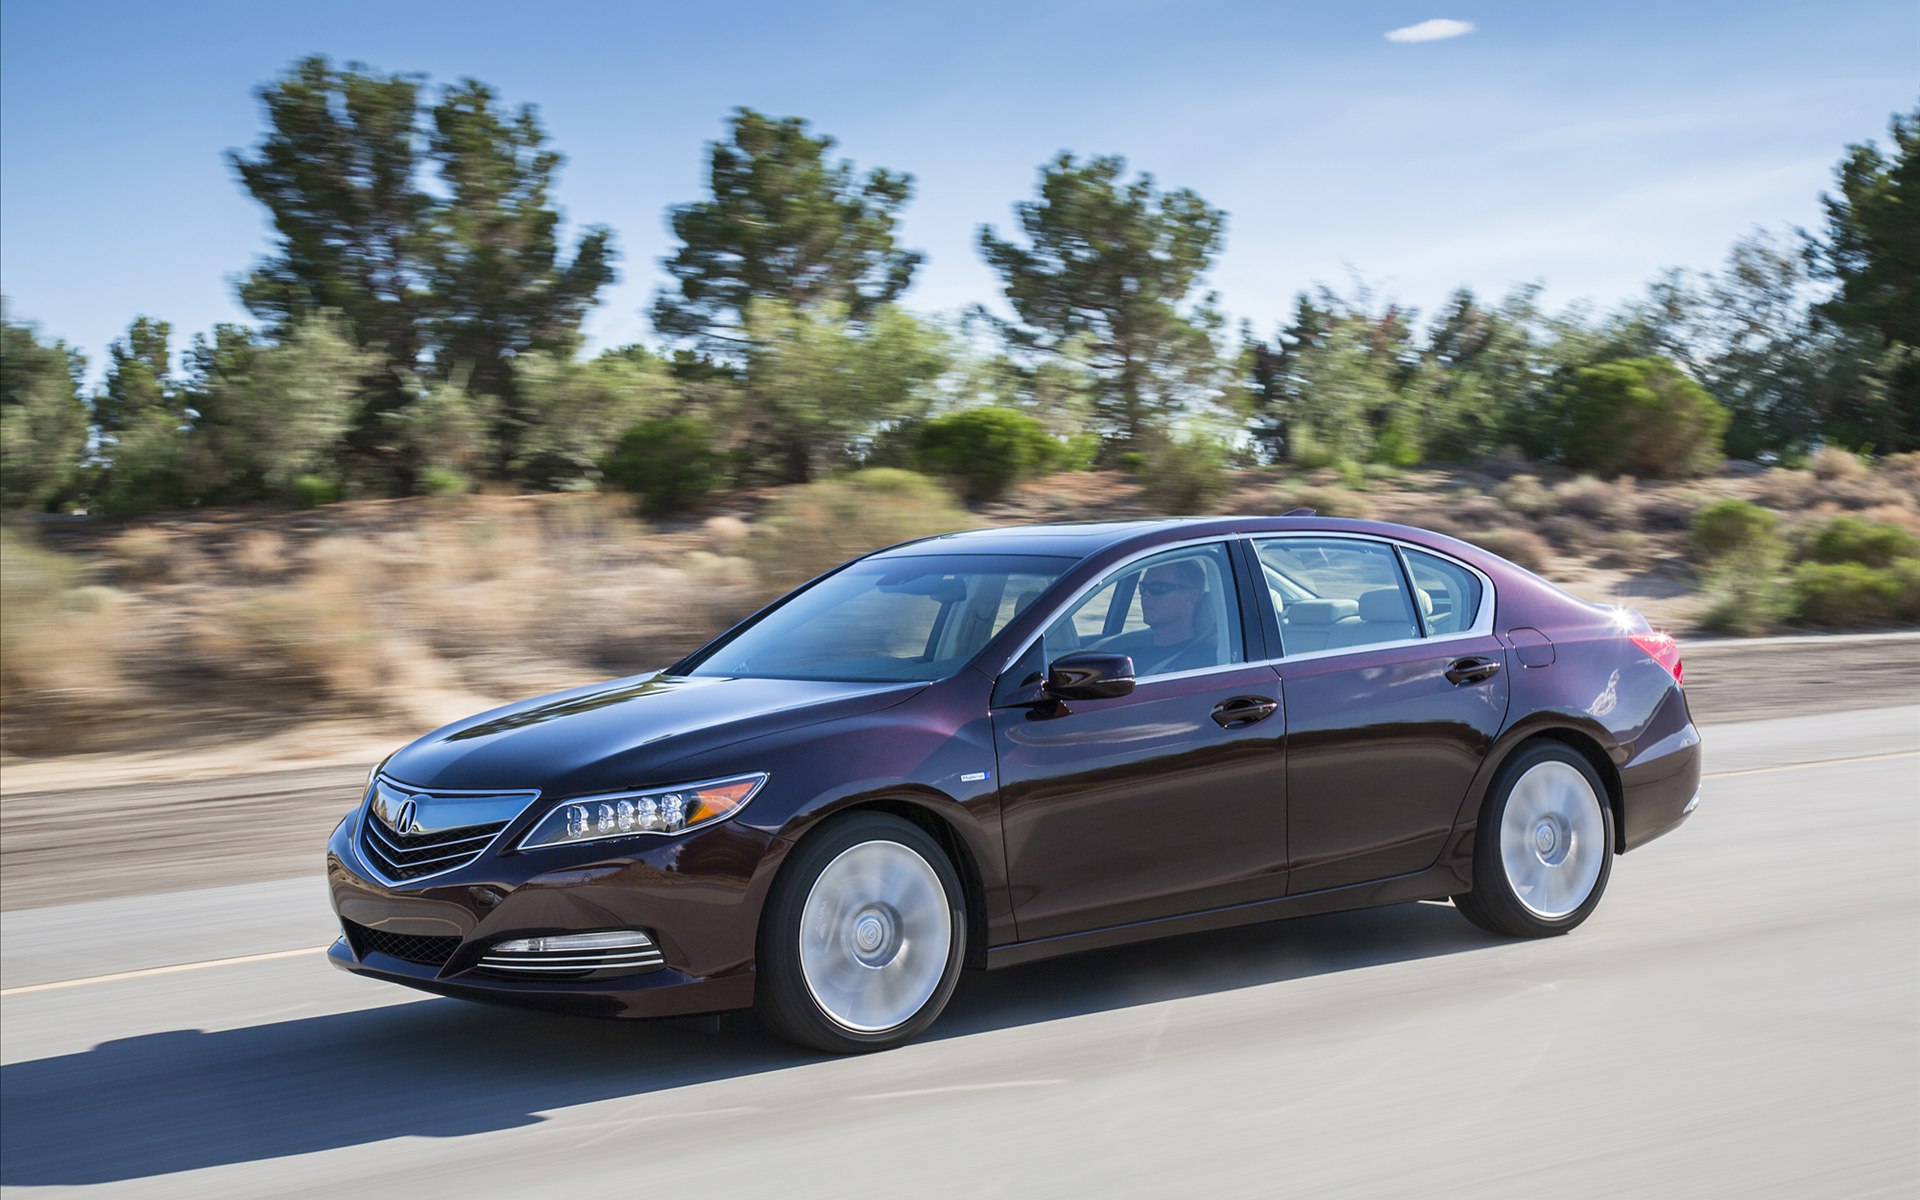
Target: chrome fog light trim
[
  {"x": 574, "y": 954},
  {"x": 559, "y": 943}
]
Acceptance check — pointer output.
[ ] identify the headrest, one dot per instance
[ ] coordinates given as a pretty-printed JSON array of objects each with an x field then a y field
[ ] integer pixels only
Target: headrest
[
  {"x": 1384, "y": 604},
  {"x": 1203, "y": 616},
  {"x": 1426, "y": 601},
  {"x": 1320, "y": 612}
]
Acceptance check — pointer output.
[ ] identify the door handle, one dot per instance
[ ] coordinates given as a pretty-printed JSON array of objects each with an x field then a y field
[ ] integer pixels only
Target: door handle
[
  {"x": 1244, "y": 710},
  {"x": 1472, "y": 670}
]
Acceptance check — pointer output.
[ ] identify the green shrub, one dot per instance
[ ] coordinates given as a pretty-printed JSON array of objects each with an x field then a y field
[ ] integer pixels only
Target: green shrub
[
  {"x": 821, "y": 525},
  {"x": 1746, "y": 588},
  {"x": 1640, "y": 416},
  {"x": 1859, "y": 540},
  {"x": 1186, "y": 475},
  {"x": 1850, "y": 593},
  {"x": 668, "y": 462},
  {"x": 897, "y": 445},
  {"x": 1078, "y": 452},
  {"x": 1399, "y": 442},
  {"x": 441, "y": 481},
  {"x": 1729, "y": 526},
  {"x": 311, "y": 491},
  {"x": 987, "y": 450}
]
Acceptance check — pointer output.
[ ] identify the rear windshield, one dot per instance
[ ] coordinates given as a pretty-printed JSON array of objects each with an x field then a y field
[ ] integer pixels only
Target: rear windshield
[{"x": 893, "y": 620}]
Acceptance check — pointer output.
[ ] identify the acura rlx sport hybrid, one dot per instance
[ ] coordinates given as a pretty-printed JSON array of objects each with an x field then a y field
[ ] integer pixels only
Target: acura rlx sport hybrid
[{"x": 987, "y": 748}]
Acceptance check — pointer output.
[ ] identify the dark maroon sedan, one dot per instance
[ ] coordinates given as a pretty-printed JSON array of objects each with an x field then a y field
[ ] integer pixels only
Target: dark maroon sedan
[{"x": 988, "y": 748}]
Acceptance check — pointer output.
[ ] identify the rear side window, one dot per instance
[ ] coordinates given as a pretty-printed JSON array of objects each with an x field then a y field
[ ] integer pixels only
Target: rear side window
[
  {"x": 1449, "y": 592},
  {"x": 1354, "y": 593}
]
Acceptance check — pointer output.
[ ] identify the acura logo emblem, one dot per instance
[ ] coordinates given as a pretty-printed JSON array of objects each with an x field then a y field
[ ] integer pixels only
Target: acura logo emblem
[{"x": 404, "y": 822}]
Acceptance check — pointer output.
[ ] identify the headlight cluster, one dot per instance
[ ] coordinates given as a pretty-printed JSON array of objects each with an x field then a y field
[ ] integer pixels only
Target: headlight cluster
[{"x": 659, "y": 810}]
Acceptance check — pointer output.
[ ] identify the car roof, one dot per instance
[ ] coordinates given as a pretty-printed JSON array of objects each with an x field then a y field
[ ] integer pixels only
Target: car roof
[
  {"x": 1081, "y": 539},
  {"x": 1075, "y": 539}
]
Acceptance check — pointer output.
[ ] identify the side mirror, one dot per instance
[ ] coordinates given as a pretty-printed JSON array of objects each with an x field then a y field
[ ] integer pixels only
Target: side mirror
[{"x": 1089, "y": 675}]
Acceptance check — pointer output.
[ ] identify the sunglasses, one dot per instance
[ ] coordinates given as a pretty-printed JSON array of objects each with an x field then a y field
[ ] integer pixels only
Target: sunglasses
[{"x": 1161, "y": 587}]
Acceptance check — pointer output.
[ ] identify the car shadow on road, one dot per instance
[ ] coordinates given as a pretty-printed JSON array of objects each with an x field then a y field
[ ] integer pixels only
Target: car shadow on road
[{"x": 187, "y": 1099}]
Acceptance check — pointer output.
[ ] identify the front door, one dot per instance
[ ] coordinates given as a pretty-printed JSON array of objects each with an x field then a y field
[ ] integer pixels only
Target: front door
[{"x": 1169, "y": 800}]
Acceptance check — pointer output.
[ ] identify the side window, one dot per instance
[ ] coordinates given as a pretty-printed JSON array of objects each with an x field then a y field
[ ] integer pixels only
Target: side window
[
  {"x": 1353, "y": 593},
  {"x": 1172, "y": 612},
  {"x": 1448, "y": 591},
  {"x": 991, "y": 601}
]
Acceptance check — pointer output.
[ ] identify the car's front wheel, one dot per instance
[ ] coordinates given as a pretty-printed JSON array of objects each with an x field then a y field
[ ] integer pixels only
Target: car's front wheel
[
  {"x": 863, "y": 936},
  {"x": 1544, "y": 847}
]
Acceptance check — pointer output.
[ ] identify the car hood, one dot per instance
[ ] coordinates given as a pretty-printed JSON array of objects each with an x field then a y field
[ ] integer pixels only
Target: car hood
[{"x": 625, "y": 733}]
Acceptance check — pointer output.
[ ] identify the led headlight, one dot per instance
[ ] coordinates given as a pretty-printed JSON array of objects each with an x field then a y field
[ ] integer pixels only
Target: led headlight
[{"x": 657, "y": 810}]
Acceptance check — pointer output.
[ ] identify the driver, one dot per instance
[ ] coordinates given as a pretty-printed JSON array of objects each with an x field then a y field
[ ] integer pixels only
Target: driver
[{"x": 1177, "y": 638}]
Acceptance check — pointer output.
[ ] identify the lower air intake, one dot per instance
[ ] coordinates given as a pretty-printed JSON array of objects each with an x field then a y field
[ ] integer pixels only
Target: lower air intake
[{"x": 408, "y": 947}]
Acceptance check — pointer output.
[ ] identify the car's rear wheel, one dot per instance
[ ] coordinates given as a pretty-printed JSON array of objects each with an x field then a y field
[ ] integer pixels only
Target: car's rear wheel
[
  {"x": 863, "y": 936},
  {"x": 1544, "y": 847}
]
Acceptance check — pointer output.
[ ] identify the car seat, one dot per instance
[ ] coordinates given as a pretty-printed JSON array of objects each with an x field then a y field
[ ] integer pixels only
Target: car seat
[
  {"x": 1384, "y": 617},
  {"x": 1309, "y": 624}
]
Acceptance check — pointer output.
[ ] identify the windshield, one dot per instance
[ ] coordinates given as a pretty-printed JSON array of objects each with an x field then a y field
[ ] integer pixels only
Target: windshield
[{"x": 892, "y": 620}]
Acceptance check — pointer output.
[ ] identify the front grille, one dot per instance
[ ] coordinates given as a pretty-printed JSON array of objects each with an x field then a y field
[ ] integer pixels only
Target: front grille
[
  {"x": 427, "y": 951},
  {"x": 404, "y": 856}
]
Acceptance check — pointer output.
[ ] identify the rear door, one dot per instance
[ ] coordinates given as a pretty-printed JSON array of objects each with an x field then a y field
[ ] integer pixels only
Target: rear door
[{"x": 1395, "y": 688}]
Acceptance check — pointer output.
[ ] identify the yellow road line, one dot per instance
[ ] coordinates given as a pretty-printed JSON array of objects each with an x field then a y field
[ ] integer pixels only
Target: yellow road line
[
  {"x": 145, "y": 972},
  {"x": 1823, "y": 762},
  {"x": 177, "y": 968}
]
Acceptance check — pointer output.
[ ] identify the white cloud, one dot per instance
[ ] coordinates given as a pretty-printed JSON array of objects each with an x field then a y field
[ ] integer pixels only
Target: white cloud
[{"x": 1437, "y": 30}]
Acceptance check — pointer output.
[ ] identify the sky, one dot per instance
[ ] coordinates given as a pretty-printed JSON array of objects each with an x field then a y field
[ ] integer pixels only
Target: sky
[{"x": 1415, "y": 147}]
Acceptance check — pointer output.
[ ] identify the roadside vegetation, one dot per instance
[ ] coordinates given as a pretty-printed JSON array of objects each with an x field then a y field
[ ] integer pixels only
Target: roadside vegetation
[
  {"x": 407, "y": 479},
  {"x": 405, "y": 613}
]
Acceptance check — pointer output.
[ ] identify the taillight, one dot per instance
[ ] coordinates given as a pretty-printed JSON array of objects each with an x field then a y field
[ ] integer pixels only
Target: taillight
[{"x": 1664, "y": 650}]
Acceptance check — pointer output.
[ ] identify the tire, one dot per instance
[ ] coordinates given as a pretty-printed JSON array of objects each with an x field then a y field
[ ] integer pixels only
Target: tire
[
  {"x": 1544, "y": 847},
  {"x": 863, "y": 937}
]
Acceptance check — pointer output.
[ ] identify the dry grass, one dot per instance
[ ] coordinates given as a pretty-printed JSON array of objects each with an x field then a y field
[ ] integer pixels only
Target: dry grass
[
  {"x": 1831, "y": 463},
  {"x": 260, "y": 556},
  {"x": 824, "y": 524},
  {"x": 1903, "y": 516},
  {"x": 148, "y": 555},
  {"x": 60, "y": 644},
  {"x": 1612, "y": 504},
  {"x": 1901, "y": 472},
  {"x": 1671, "y": 511},
  {"x": 481, "y": 598},
  {"x": 1327, "y": 500},
  {"x": 1522, "y": 546},
  {"x": 1524, "y": 495},
  {"x": 1787, "y": 491}
]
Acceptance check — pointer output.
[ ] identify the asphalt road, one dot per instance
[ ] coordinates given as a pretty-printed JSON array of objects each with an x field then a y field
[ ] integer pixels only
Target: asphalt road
[{"x": 1741, "y": 1018}]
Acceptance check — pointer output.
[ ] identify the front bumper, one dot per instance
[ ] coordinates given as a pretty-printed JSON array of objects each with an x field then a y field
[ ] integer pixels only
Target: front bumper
[{"x": 698, "y": 896}]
